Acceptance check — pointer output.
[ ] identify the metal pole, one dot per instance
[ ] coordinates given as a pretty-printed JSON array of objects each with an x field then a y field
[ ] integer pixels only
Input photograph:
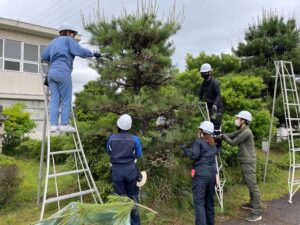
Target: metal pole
[
  {"x": 271, "y": 125},
  {"x": 41, "y": 162}
]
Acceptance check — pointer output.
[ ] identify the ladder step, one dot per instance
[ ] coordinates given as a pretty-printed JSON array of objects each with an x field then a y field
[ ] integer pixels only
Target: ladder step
[
  {"x": 65, "y": 152},
  {"x": 73, "y": 195},
  {"x": 296, "y": 150},
  {"x": 296, "y": 166},
  {"x": 291, "y": 103},
  {"x": 67, "y": 173},
  {"x": 296, "y": 182},
  {"x": 290, "y": 89},
  {"x": 295, "y": 119}
]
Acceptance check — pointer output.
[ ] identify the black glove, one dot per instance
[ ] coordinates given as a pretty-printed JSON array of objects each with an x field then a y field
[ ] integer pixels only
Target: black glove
[{"x": 97, "y": 55}]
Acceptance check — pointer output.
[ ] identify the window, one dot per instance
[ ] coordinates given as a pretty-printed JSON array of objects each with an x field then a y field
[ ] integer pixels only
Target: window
[
  {"x": 31, "y": 52},
  {"x": 20, "y": 56},
  {"x": 11, "y": 65},
  {"x": 44, "y": 66},
  {"x": 12, "y": 49},
  {"x": 42, "y": 48},
  {"x": 28, "y": 67},
  {"x": 1, "y": 54},
  {"x": 1, "y": 48}
]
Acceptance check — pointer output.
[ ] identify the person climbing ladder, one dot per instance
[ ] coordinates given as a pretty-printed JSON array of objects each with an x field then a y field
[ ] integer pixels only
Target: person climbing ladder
[{"x": 60, "y": 54}]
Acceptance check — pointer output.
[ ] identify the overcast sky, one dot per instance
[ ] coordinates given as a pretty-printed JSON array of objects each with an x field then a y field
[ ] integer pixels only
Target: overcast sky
[{"x": 213, "y": 26}]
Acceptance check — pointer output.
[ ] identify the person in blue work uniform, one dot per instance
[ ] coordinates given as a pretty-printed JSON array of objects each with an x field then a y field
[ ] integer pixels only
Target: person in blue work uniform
[
  {"x": 124, "y": 149},
  {"x": 203, "y": 173},
  {"x": 60, "y": 54}
]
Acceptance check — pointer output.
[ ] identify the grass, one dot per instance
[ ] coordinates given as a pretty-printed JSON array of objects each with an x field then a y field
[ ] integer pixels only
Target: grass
[{"x": 23, "y": 209}]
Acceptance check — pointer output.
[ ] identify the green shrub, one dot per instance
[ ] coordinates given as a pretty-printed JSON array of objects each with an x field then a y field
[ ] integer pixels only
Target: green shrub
[
  {"x": 31, "y": 149},
  {"x": 9, "y": 180},
  {"x": 18, "y": 124}
]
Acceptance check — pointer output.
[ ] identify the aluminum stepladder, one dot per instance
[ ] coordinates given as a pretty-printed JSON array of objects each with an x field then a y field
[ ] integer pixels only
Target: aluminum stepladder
[
  {"x": 286, "y": 78},
  {"x": 219, "y": 188},
  {"x": 81, "y": 166}
]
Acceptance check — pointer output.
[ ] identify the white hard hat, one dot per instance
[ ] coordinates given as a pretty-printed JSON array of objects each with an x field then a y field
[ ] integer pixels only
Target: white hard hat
[
  {"x": 245, "y": 115},
  {"x": 207, "y": 127},
  {"x": 124, "y": 122},
  {"x": 143, "y": 179},
  {"x": 66, "y": 26},
  {"x": 206, "y": 67}
]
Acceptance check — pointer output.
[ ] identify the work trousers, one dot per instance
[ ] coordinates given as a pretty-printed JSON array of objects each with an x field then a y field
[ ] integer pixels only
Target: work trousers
[
  {"x": 124, "y": 178},
  {"x": 60, "y": 87},
  {"x": 249, "y": 173},
  {"x": 203, "y": 195}
]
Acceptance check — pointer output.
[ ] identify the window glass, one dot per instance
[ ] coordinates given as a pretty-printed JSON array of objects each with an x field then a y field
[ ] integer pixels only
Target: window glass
[
  {"x": 28, "y": 67},
  {"x": 45, "y": 69},
  {"x": 1, "y": 47},
  {"x": 12, "y": 49},
  {"x": 10, "y": 65},
  {"x": 42, "y": 48},
  {"x": 1, "y": 64},
  {"x": 31, "y": 52}
]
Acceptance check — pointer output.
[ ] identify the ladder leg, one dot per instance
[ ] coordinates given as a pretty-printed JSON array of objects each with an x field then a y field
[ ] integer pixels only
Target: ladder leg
[
  {"x": 82, "y": 165},
  {"x": 84, "y": 159},
  {"x": 41, "y": 162},
  {"x": 55, "y": 181},
  {"x": 78, "y": 178}
]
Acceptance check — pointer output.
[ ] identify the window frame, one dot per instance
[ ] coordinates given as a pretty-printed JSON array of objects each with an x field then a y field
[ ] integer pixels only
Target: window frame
[
  {"x": 22, "y": 61},
  {"x": 2, "y": 57}
]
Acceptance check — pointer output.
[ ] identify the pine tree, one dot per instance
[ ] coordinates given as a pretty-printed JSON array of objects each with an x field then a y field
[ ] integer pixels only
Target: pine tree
[{"x": 271, "y": 38}]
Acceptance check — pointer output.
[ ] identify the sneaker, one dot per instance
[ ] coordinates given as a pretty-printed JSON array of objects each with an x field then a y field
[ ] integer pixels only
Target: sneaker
[
  {"x": 67, "y": 128},
  {"x": 247, "y": 206},
  {"x": 254, "y": 217},
  {"x": 54, "y": 128}
]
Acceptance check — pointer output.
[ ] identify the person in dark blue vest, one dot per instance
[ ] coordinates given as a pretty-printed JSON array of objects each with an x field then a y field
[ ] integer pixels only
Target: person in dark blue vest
[
  {"x": 203, "y": 173},
  {"x": 124, "y": 149}
]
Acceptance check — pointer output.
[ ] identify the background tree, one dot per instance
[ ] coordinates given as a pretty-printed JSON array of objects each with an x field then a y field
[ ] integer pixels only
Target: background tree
[{"x": 271, "y": 38}]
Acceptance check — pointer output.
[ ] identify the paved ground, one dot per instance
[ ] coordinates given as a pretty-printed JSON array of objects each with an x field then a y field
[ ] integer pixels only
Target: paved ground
[{"x": 278, "y": 212}]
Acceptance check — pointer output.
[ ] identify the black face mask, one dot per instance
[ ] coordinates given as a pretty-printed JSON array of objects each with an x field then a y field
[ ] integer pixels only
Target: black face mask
[{"x": 205, "y": 76}]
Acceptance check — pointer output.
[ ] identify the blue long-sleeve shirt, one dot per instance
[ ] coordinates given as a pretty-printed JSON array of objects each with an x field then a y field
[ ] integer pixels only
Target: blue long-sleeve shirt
[
  {"x": 61, "y": 52},
  {"x": 123, "y": 148}
]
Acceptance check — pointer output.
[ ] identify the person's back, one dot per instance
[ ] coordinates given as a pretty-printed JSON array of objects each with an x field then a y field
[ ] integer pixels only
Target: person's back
[
  {"x": 60, "y": 54},
  {"x": 205, "y": 162},
  {"x": 123, "y": 149}
]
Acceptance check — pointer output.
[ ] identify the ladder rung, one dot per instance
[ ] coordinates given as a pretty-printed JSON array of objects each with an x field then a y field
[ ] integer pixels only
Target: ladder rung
[
  {"x": 296, "y": 166},
  {"x": 67, "y": 173},
  {"x": 296, "y": 150},
  {"x": 291, "y": 103},
  {"x": 295, "y": 119},
  {"x": 63, "y": 197},
  {"x": 290, "y": 89},
  {"x": 296, "y": 182},
  {"x": 295, "y": 134},
  {"x": 65, "y": 152}
]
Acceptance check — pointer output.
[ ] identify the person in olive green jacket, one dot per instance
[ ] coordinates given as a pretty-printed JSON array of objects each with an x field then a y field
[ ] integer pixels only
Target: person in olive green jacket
[{"x": 243, "y": 138}]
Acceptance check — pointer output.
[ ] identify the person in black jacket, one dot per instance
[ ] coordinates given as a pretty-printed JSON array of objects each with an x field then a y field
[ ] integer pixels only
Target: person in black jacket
[
  {"x": 209, "y": 91},
  {"x": 124, "y": 149},
  {"x": 203, "y": 173}
]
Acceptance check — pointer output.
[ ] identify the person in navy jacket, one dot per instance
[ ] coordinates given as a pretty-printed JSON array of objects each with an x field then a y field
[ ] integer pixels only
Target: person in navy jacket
[
  {"x": 203, "y": 173},
  {"x": 60, "y": 54},
  {"x": 124, "y": 149}
]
